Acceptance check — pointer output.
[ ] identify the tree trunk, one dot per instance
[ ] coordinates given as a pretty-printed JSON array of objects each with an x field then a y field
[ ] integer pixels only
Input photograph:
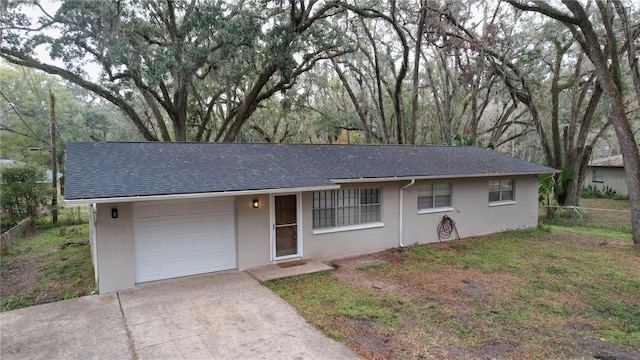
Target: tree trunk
[
  {"x": 380, "y": 101},
  {"x": 354, "y": 100},
  {"x": 620, "y": 122},
  {"x": 628, "y": 148},
  {"x": 411, "y": 137}
]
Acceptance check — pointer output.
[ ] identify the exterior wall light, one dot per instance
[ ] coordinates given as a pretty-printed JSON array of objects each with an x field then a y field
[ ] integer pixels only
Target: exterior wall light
[
  {"x": 114, "y": 213},
  {"x": 255, "y": 203}
]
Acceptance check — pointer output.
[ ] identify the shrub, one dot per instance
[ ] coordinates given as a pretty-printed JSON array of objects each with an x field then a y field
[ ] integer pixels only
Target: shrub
[
  {"x": 24, "y": 191},
  {"x": 608, "y": 192},
  {"x": 592, "y": 192}
]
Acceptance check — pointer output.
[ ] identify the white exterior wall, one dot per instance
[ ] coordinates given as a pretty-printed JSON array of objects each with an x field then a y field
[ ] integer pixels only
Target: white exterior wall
[
  {"x": 93, "y": 240},
  {"x": 115, "y": 248},
  {"x": 353, "y": 242},
  {"x": 253, "y": 232},
  {"x": 472, "y": 214},
  {"x": 114, "y": 242},
  {"x": 614, "y": 177},
  {"x": 471, "y": 210}
]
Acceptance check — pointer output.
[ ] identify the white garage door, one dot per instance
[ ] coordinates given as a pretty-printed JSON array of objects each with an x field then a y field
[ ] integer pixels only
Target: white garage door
[{"x": 180, "y": 238}]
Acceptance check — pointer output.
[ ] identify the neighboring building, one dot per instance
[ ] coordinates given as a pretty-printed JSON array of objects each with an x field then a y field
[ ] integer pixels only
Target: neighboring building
[
  {"x": 608, "y": 172},
  {"x": 48, "y": 173},
  {"x": 164, "y": 210}
]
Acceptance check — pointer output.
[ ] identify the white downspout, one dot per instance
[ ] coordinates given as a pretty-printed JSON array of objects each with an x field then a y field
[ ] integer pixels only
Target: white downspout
[{"x": 413, "y": 181}]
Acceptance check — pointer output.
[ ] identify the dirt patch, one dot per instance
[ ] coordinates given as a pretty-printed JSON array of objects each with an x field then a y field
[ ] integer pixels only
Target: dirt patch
[
  {"x": 370, "y": 341},
  {"x": 18, "y": 275},
  {"x": 599, "y": 349},
  {"x": 349, "y": 271},
  {"x": 48, "y": 265}
]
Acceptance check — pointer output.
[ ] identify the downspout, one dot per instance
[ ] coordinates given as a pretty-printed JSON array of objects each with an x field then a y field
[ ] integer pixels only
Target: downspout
[{"x": 413, "y": 181}]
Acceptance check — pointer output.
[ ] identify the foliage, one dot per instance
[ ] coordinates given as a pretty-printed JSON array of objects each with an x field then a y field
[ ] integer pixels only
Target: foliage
[
  {"x": 598, "y": 217},
  {"x": 593, "y": 192},
  {"x": 24, "y": 116},
  {"x": 67, "y": 216},
  {"x": 552, "y": 189},
  {"x": 180, "y": 70},
  {"x": 40, "y": 269},
  {"x": 24, "y": 191},
  {"x": 483, "y": 72}
]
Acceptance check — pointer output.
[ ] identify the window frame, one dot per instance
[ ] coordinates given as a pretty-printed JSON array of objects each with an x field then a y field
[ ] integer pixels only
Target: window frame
[
  {"x": 597, "y": 176},
  {"x": 345, "y": 209},
  {"x": 434, "y": 208},
  {"x": 501, "y": 191}
]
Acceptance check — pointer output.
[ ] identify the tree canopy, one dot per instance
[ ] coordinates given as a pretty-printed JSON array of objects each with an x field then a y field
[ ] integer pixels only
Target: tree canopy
[{"x": 553, "y": 82}]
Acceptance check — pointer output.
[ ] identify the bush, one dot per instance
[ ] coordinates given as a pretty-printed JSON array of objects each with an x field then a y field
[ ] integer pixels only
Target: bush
[
  {"x": 592, "y": 192},
  {"x": 24, "y": 191}
]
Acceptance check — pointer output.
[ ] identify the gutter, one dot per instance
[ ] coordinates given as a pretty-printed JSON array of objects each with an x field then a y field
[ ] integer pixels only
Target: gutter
[
  {"x": 125, "y": 199},
  {"x": 413, "y": 181},
  {"x": 433, "y": 177}
]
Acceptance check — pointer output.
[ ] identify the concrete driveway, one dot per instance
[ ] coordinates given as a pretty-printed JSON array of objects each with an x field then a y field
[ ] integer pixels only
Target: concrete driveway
[{"x": 217, "y": 316}]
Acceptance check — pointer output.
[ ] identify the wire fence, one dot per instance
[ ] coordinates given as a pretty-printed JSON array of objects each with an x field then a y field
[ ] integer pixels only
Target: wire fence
[
  {"x": 67, "y": 215},
  {"x": 576, "y": 216}
]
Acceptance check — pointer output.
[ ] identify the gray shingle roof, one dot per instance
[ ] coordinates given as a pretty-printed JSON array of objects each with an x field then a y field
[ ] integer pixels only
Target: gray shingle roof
[{"x": 124, "y": 169}]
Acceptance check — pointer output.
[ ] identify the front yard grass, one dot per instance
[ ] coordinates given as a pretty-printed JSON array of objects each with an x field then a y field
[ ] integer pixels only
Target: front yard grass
[
  {"x": 519, "y": 294},
  {"x": 39, "y": 268}
]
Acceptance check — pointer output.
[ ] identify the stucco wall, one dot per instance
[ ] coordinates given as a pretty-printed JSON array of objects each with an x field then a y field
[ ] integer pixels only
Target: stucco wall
[
  {"x": 115, "y": 247},
  {"x": 471, "y": 210},
  {"x": 353, "y": 242},
  {"x": 472, "y": 214},
  {"x": 92, "y": 240},
  {"x": 253, "y": 232},
  {"x": 614, "y": 178}
]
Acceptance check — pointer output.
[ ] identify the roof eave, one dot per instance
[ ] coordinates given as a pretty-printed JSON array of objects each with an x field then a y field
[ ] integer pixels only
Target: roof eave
[
  {"x": 429, "y": 177},
  {"x": 127, "y": 199}
]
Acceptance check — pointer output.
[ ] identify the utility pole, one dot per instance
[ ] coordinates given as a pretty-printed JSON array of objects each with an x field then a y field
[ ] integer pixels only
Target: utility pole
[{"x": 54, "y": 160}]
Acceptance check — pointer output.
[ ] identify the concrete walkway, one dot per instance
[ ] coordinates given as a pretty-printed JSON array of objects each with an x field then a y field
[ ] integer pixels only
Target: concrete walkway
[
  {"x": 91, "y": 327},
  {"x": 216, "y": 316},
  {"x": 279, "y": 271}
]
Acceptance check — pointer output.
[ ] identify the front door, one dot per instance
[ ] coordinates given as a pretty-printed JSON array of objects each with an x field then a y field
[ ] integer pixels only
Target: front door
[{"x": 285, "y": 244}]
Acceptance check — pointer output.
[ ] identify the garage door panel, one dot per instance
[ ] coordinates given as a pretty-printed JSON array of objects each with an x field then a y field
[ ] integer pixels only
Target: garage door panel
[
  {"x": 175, "y": 239},
  {"x": 149, "y": 211},
  {"x": 197, "y": 208},
  {"x": 200, "y": 263},
  {"x": 175, "y": 268},
  {"x": 151, "y": 271},
  {"x": 174, "y": 248},
  {"x": 220, "y": 223},
  {"x": 147, "y": 250},
  {"x": 174, "y": 229},
  {"x": 219, "y": 206},
  {"x": 173, "y": 209},
  {"x": 198, "y": 227},
  {"x": 224, "y": 262},
  {"x": 149, "y": 230},
  {"x": 198, "y": 249}
]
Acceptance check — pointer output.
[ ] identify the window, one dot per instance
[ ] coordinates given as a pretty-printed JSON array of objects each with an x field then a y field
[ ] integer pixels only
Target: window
[
  {"x": 501, "y": 190},
  {"x": 434, "y": 196},
  {"x": 344, "y": 207},
  {"x": 598, "y": 176}
]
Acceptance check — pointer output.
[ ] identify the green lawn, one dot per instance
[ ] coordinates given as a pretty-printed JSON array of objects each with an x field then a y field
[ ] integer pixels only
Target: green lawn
[
  {"x": 520, "y": 294},
  {"x": 604, "y": 215},
  {"x": 40, "y": 269}
]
